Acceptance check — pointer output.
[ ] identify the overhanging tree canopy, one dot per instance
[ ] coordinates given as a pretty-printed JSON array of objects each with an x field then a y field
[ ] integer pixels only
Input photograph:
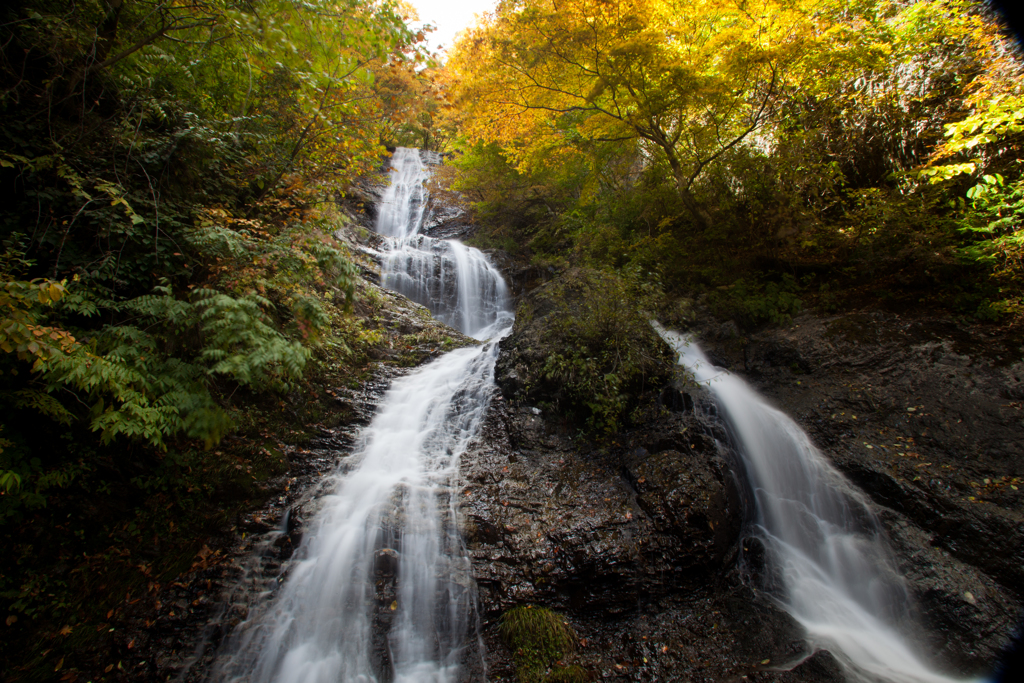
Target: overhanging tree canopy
[{"x": 687, "y": 80}]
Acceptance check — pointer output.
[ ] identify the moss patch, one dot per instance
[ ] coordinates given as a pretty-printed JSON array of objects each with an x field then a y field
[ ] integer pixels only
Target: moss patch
[
  {"x": 568, "y": 674},
  {"x": 538, "y": 639}
]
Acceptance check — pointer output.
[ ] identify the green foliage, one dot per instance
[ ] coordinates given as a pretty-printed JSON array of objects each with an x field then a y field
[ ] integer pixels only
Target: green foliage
[
  {"x": 168, "y": 171},
  {"x": 160, "y": 245},
  {"x": 754, "y": 302},
  {"x": 538, "y": 638},
  {"x": 568, "y": 674},
  {"x": 996, "y": 120},
  {"x": 996, "y": 220},
  {"x": 519, "y": 206},
  {"x": 603, "y": 355},
  {"x": 23, "y": 308},
  {"x": 993, "y": 217},
  {"x": 982, "y": 145}
]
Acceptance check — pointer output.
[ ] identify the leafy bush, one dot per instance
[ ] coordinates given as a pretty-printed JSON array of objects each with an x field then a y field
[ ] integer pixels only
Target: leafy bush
[
  {"x": 602, "y": 356},
  {"x": 754, "y": 302},
  {"x": 995, "y": 225}
]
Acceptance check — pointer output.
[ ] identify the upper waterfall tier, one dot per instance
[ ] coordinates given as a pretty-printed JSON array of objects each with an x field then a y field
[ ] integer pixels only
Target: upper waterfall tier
[
  {"x": 457, "y": 283},
  {"x": 402, "y": 207}
]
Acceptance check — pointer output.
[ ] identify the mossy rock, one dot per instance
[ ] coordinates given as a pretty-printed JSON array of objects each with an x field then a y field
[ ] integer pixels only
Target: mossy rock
[{"x": 539, "y": 637}]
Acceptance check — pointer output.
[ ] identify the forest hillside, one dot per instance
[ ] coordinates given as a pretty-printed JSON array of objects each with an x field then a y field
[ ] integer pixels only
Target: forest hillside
[
  {"x": 762, "y": 157},
  {"x": 183, "y": 230}
]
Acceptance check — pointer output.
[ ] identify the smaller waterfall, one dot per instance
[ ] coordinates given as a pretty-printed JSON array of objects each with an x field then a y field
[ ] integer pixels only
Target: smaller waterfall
[{"x": 838, "y": 575}]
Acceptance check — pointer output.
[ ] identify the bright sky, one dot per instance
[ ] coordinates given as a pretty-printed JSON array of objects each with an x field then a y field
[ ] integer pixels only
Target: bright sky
[{"x": 449, "y": 16}]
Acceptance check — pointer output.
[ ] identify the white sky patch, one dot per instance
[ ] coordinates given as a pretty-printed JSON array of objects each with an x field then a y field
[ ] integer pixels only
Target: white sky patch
[{"x": 449, "y": 17}]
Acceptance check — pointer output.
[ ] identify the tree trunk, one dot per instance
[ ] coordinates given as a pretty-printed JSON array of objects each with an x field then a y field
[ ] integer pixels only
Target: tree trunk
[{"x": 697, "y": 212}]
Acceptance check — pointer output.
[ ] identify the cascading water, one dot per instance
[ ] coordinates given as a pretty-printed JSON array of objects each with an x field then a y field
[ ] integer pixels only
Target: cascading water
[
  {"x": 404, "y": 203},
  {"x": 838, "y": 577},
  {"x": 381, "y": 588},
  {"x": 457, "y": 283}
]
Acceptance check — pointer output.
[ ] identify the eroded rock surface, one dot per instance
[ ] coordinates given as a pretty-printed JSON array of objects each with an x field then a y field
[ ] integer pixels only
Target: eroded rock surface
[{"x": 636, "y": 543}]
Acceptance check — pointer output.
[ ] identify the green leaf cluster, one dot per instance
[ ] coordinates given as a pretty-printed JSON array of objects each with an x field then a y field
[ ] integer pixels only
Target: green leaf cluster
[
  {"x": 755, "y": 303},
  {"x": 602, "y": 359}
]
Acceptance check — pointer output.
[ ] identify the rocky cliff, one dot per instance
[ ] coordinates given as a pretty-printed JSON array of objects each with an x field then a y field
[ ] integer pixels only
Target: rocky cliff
[{"x": 640, "y": 542}]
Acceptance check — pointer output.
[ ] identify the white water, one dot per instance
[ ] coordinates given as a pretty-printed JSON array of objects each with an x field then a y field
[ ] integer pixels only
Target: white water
[
  {"x": 403, "y": 205},
  {"x": 838, "y": 576},
  {"x": 457, "y": 283},
  {"x": 337, "y": 618}
]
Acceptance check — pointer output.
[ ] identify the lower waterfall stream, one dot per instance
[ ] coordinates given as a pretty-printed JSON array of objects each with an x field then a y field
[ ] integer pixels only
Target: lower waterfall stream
[
  {"x": 825, "y": 548},
  {"x": 392, "y": 506}
]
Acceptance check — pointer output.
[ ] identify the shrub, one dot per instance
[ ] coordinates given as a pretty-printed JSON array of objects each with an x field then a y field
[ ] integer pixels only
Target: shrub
[
  {"x": 754, "y": 302},
  {"x": 601, "y": 356}
]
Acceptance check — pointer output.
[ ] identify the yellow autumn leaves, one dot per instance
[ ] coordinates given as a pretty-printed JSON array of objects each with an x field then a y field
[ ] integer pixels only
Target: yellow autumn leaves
[
  {"x": 20, "y": 331},
  {"x": 684, "y": 82}
]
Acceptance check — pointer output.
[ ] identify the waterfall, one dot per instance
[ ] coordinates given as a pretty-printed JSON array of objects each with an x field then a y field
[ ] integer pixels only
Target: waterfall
[
  {"x": 404, "y": 203},
  {"x": 381, "y": 587},
  {"x": 837, "y": 575},
  {"x": 457, "y": 283}
]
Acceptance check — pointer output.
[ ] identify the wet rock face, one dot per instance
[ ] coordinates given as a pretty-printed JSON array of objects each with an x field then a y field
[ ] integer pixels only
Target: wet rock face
[
  {"x": 636, "y": 543},
  {"x": 684, "y": 496},
  {"x": 596, "y": 530},
  {"x": 924, "y": 416}
]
